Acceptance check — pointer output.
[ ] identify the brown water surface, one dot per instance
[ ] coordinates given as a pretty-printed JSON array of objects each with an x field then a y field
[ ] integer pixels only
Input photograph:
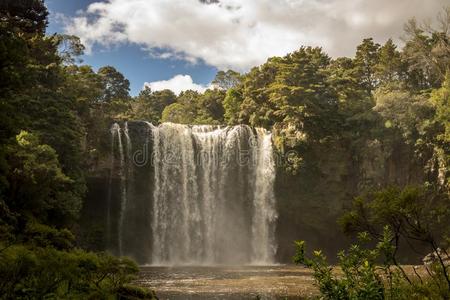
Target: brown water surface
[{"x": 220, "y": 282}]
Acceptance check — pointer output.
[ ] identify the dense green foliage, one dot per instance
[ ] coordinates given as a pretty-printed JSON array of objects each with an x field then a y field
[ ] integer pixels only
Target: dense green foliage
[
  {"x": 48, "y": 273},
  {"x": 50, "y": 114},
  {"x": 385, "y": 221}
]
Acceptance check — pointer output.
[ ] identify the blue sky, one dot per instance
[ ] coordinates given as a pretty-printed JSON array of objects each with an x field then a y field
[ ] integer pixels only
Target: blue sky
[
  {"x": 180, "y": 44},
  {"x": 136, "y": 65}
]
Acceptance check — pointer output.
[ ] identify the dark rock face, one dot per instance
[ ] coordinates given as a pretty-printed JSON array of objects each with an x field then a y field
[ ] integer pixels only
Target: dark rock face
[{"x": 333, "y": 173}]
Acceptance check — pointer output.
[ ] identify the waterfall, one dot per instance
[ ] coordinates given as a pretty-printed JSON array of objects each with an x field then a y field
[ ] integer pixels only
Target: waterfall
[
  {"x": 115, "y": 128},
  {"x": 123, "y": 189},
  {"x": 211, "y": 198},
  {"x": 264, "y": 200},
  {"x": 125, "y": 174}
]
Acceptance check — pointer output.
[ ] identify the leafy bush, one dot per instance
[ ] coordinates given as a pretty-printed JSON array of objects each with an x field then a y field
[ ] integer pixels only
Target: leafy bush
[
  {"x": 358, "y": 276},
  {"x": 413, "y": 214},
  {"x": 359, "y": 279},
  {"x": 41, "y": 235},
  {"x": 38, "y": 273},
  {"x": 370, "y": 269}
]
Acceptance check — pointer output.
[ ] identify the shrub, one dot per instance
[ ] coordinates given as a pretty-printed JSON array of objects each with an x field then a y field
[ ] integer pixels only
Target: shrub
[
  {"x": 359, "y": 279},
  {"x": 38, "y": 273},
  {"x": 370, "y": 269}
]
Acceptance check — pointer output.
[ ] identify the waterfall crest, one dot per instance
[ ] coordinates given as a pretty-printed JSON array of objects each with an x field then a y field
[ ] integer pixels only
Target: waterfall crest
[{"x": 204, "y": 195}]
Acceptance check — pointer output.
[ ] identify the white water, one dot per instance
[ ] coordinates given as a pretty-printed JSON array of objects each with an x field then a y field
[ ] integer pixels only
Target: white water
[
  {"x": 263, "y": 243},
  {"x": 115, "y": 130},
  {"x": 125, "y": 173},
  {"x": 212, "y": 200},
  {"x": 123, "y": 189}
]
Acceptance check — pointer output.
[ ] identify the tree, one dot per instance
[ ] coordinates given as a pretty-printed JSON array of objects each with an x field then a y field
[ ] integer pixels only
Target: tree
[
  {"x": 354, "y": 102},
  {"x": 176, "y": 113},
  {"x": 403, "y": 110},
  {"x": 370, "y": 269},
  {"x": 227, "y": 80},
  {"x": 301, "y": 93},
  {"x": 37, "y": 185},
  {"x": 149, "y": 105},
  {"x": 232, "y": 106},
  {"x": 70, "y": 47},
  {"x": 29, "y": 16},
  {"x": 116, "y": 86},
  {"x": 389, "y": 66},
  {"x": 32, "y": 96},
  {"x": 366, "y": 60},
  {"x": 441, "y": 101},
  {"x": 427, "y": 51},
  {"x": 290, "y": 90},
  {"x": 256, "y": 108},
  {"x": 85, "y": 86},
  {"x": 46, "y": 103},
  {"x": 210, "y": 108},
  {"x": 413, "y": 214}
]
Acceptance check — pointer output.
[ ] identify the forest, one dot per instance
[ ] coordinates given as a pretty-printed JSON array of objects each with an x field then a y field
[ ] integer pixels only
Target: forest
[{"x": 367, "y": 141}]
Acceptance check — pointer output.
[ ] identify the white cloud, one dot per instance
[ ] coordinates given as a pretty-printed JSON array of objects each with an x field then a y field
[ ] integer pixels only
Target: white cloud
[
  {"x": 241, "y": 34},
  {"x": 177, "y": 84}
]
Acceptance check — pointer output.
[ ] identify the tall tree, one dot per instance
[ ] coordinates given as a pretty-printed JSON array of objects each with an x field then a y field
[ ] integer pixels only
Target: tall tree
[
  {"x": 301, "y": 93},
  {"x": 366, "y": 59},
  {"x": 389, "y": 66},
  {"x": 32, "y": 95},
  {"x": 38, "y": 188},
  {"x": 116, "y": 86},
  {"x": 441, "y": 100},
  {"x": 427, "y": 51},
  {"x": 227, "y": 80},
  {"x": 149, "y": 105},
  {"x": 210, "y": 107},
  {"x": 28, "y": 16},
  {"x": 232, "y": 106}
]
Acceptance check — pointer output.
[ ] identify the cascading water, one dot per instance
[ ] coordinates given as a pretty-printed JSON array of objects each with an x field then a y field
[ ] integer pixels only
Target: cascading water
[
  {"x": 124, "y": 175},
  {"x": 115, "y": 130},
  {"x": 206, "y": 198},
  {"x": 263, "y": 244}
]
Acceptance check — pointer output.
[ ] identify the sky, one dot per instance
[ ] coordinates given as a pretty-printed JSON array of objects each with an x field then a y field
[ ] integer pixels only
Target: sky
[{"x": 181, "y": 44}]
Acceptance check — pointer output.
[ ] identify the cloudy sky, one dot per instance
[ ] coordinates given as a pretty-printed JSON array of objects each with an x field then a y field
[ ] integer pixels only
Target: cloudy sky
[{"x": 180, "y": 44}]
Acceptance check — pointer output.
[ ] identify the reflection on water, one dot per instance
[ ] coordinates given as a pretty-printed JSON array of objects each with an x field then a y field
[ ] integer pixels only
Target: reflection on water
[{"x": 243, "y": 282}]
